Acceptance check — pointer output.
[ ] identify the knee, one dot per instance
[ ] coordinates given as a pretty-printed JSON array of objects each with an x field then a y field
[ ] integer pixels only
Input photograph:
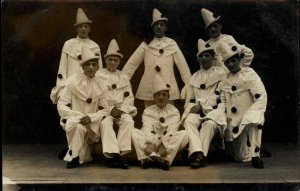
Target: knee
[
  {"x": 81, "y": 129},
  {"x": 126, "y": 118},
  {"x": 107, "y": 121},
  {"x": 209, "y": 125},
  {"x": 191, "y": 120}
]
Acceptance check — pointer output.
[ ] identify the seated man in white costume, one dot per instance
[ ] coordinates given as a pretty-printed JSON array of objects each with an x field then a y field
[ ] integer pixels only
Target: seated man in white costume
[
  {"x": 159, "y": 140},
  {"x": 244, "y": 101},
  {"x": 121, "y": 103},
  {"x": 203, "y": 96},
  {"x": 82, "y": 106}
]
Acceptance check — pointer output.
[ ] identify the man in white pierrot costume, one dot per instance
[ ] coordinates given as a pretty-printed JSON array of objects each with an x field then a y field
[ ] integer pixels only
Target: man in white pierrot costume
[
  {"x": 160, "y": 138},
  {"x": 121, "y": 102},
  {"x": 159, "y": 57},
  {"x": 71, "y": 54},
  {"x": 213, "y": 27},
  {"x": 203, "y": 97},
  {"x": 244, "y": 100},
  {"x": 82, "y": 107}
]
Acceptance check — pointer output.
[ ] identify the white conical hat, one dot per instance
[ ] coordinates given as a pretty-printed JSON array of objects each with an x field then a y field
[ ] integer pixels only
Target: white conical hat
[
  {"x": 156, "y": 16},
  {"x": 228, "y": 51},
  {"x": 81, "y": 17},
  {"x": 159, "y": 84},
  {"x": 208, "y": 17},
  {"x": 87, "y": 54},
  {"x": 203, "y": 46},
  {"x": 113, "y": 49}
]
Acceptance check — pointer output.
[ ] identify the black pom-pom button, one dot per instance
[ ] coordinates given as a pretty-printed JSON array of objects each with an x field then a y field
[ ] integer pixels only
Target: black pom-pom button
[
  {"x": 235, "y": 130},
  {"x": 257, "y": 96},
  {"x": 89, "y": 100},
  {"x": 202, "y": 86},
  {"x": 157, "y": 68},
  {"x": 59, "y": 76},
  {"x": 64, "y": 121},
  {"x": 79, "y": 57},
  {"x": 162, "y": 120},
  {"x": 193, "y": 100},
  {"x": 69, "y": 105},
  {"x": 234, "y": 48},
  {"x": 161, "y": 51},
  {"x": 233, "y": 110},
  {"x": 217, "y": 92},
  {"x": 256, "y": 149},
  {"x": 233, "y": 88},
  {"x": 168, "y": 85},
  {"x": 100, "y": 107},
  {"x": 114, "y": 86},
  {"x": 126, "y": 94}
]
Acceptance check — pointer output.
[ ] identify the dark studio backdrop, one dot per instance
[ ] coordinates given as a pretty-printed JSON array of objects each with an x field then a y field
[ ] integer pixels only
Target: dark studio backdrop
[{"x": 33, "y": 33}]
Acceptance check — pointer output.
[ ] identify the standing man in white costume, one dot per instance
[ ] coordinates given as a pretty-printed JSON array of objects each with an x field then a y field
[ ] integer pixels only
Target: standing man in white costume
[
  {"x": 213, "y": 26},
  {"x": 71, "y": 57},
  {"x": 159, "y": 140},
  {"x": 244, "y": 101},
  {"x": 71, "y": 54},
  {"x": 82, "y": 106},
  {"x": 203, "y": 97},
  {"x": 121, "y": 102},
  {"x": 159, "y": 57}
]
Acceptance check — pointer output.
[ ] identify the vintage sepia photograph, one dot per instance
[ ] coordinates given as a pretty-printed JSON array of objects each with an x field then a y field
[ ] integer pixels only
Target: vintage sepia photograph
[{"x": 101, "y": 95}]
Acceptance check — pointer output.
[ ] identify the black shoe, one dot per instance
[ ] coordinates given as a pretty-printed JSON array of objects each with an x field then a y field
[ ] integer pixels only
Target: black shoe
[
  {"x": 63, "y": 153},
  {"x": 257, "y": 162},
  {"x": 123, "y": 162},
  {"x": 162, "y": 164},
  {"x": 146, "y": 163},
  {"x": 112, "y": 162},
  {"x": 74, "y": 163},
  {"x": 197, "y": 160}
]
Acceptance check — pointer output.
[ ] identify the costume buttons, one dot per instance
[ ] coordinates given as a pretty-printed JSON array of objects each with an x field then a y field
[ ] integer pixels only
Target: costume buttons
[
  {"x": 218, "y": 100},
  {"x": 126, "y": 94},
  {"x": 69, "y": 105},
  {"x": 217, "y": 92},
  {"x": 234, "y": 48},
  {"x": 233, "y": 110},
  {"x": 192, "y": 100},
  {"x": 256, "y": 149},
  {"x": 202, "y": 86},
  {"x": 114, "y": 86},
  {"x": 89, "y": 100},
  {"x": 168, "y": 85},
  {"x": 235, "y": 129},
  {"x": 165, "y": 132},
  {"x": 161, "y": 51},
  {"x": 64, "y": 121},
  {"x": 162, "y": 120},
  {"x": 100, "y": 107},
  {"x": 59, "y": 76},
  {"x": 153, "y": 132},
  {"x": 79, "y": 57},
  {"x": 233, "y": 88},
  {"x": 157, "y": 68},
  {"x": 257, "y": 96}
]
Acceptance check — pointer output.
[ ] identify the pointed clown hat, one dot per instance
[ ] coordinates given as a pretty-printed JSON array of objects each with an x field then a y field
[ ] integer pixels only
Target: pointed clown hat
[
  {"x": 208, "y": 17},
  {"x": 113, "y": 49},
  {"x": 81, "y": 18},
  {"x": 228, "y": 51},
  {"x": 159, "y": 84},
  {"x": 203, "y": 46},
  {"x": 156, "y": 16},
  {"x": 87, "y": 54}
]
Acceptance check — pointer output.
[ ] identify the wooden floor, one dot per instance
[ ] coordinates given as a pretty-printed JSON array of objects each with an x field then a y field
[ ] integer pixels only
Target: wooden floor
[{"x": 37, "y": 166}]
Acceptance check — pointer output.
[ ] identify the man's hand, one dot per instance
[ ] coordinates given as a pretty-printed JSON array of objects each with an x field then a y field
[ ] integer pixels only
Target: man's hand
[
  {"x": 196, "y": 109},
  {"x": 116, "y": 113},
  {"x": 162, "y": 151},
  {"x": 85, "y": 120},
  {"x": 150, "y": 147}
]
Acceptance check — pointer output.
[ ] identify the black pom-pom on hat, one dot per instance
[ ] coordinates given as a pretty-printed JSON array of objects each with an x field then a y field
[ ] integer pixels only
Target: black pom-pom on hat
[{"x": 234, "y": 48}]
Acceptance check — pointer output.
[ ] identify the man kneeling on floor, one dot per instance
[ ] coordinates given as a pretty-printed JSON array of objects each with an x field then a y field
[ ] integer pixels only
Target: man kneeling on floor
[
  {"x": 82, "y": 106},
  {"x": 160, "y": 139}
]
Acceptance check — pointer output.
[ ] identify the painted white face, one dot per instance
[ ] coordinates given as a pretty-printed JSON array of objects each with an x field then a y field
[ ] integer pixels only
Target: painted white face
[
  {"x": 162, "y": 98},
  {"x": 83, "y": 30},
  {"x": 90, "y": 67},
  {"x": 112, "y": 63},
  {"x": 159, "y": 29}
]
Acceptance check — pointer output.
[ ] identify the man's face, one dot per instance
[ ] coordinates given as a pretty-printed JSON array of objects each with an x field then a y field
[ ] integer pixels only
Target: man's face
[
  {"x": 83, "y": 30},
  {"x": 233, "y": 64},
  {"x": 159, "y": 29},
  {"x": 205, "y": 60},
  {"x": 90, "y": 67},
  {"x": 162, "y": 98},
  {"x": 214, "y": 30},
  {"x": 112, "y": 63}
]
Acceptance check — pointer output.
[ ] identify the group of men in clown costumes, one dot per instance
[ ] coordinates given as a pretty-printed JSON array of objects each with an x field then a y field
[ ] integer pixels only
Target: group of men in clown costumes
[{"x": 225, "y": 99}]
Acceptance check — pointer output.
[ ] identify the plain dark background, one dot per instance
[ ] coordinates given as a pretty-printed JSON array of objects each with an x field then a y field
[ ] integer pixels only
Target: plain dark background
[{"x": 33, "y": 33}]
